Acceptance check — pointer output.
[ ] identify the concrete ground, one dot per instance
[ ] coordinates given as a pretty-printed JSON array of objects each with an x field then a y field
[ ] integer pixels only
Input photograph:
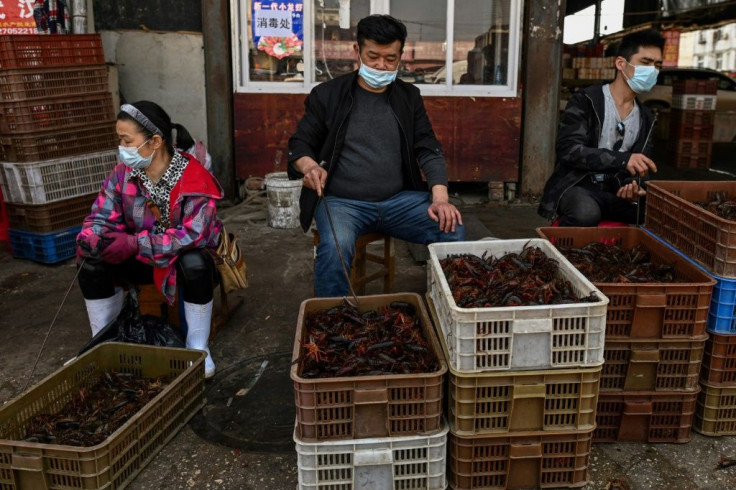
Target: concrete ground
[{"x": 262, "y": 457}]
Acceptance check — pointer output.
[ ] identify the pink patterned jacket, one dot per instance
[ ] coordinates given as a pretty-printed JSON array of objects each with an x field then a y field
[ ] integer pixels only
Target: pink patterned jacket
[{"x": 121, "y": 206}]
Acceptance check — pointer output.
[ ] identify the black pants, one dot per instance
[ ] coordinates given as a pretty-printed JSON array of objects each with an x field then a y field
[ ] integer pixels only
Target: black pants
[
  {"x": 587, "y": 203},
  {"x": 195, "y": 276}
]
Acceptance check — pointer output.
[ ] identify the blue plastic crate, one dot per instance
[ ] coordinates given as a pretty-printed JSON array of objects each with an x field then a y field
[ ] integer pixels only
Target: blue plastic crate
[
  {"x": 47, "y": 248},
  {"x": 722, "y": 312}
]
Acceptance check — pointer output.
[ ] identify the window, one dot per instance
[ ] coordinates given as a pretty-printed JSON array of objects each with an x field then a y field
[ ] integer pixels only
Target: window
[{"x": 454, "y": 47}]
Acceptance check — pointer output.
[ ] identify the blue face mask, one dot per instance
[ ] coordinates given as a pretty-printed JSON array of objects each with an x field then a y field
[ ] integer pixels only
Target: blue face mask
[
  {"x": 129, "y": 156},
  {"x": 644, "y": 79},
  {"x": 377, "y": 78}
]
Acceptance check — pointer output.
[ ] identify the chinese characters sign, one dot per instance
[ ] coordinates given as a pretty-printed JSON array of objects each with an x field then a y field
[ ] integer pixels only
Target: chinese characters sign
[
  {"x": 278, "y": 27},
  {"x": 671, "y": 48},
  {"x": 16, "y": 17}
]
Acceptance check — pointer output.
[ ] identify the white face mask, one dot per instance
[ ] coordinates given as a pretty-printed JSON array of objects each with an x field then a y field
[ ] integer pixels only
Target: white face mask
[
  {"x": 129, "y": 156},
  {"x": 377, "y": 78}
]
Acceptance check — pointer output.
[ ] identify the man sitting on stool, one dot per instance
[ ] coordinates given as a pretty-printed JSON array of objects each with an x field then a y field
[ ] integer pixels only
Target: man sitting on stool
[
  {"x": 604, "y": 145},
  {"x": 373, "y": 134}
]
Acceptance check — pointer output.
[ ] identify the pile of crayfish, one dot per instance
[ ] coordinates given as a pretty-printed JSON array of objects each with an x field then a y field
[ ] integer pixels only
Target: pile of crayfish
[
  {"x": 516, "y": 279},
  {"x": 611, "y": 263},
  {"x": 720, "y": 206},
  {"x": 95, "y": 412},
  {"x": 342, "y": 341}
]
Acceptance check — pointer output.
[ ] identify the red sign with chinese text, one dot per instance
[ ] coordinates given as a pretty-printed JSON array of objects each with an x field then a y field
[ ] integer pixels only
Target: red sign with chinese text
[
  {"x": 671, "y": 48},
  {"x": 16, "y": 17}
]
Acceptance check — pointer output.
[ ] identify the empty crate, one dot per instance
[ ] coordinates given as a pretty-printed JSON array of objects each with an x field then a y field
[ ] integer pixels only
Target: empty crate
[
  {"x": 532, "y": 460},
  {"x": 719, "y": 361},
  {"x": 645, "y": 416},
  {"x": 49, "y": 181},
  {"x": 47, "y": 248},
  {"x": 45, "y": 218},
  {"x": 386, "y": 463},
  {"x": 58, "y": 143},
  {"x": 716, "y": 411},
  {"x": 646, "y": 310},
  {"x": 519, "y": 337},
  {"x": 646, "y": 365},
  {"x": 50, "y": 83},
  {"x": 367, "y": 406},
  {"x": 58, "y": 113}
]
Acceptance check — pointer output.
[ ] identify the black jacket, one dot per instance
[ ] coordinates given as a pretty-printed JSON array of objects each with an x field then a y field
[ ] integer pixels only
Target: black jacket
[
  {"x": 321, "y": 133},
  {"x": 577, "y": 149}
]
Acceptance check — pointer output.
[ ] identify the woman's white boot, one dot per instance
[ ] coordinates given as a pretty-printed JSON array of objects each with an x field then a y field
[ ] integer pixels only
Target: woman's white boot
[
  {"x": 199, "y": 318},
  {"x": 103, "y": 311}
]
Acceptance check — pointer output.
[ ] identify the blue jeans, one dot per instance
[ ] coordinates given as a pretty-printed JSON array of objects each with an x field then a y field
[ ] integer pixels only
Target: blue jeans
[{"x": 403, "y": 216}]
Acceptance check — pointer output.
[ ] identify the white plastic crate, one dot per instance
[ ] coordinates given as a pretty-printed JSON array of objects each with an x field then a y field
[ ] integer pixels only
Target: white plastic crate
[
  {"x": 693, "y": 102},
  {"x": 386, "y": 463},
  {"x": 54, "y": 180},
  {"x": 517, "y": 337}
]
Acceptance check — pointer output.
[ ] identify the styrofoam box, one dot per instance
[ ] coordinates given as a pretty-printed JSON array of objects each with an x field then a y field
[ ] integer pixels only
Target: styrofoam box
[
  {"x": 48, "y": 181},
  {"x": 384, "y": 463},
  {"x": 518, "y": 337}
]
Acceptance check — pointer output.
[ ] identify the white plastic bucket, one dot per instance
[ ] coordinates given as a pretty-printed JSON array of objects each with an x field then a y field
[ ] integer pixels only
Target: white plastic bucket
[{"x": 283, "y": 200}]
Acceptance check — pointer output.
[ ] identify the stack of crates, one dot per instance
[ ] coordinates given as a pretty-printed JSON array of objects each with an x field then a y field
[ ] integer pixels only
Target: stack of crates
[
  {"x": 379, "y": 432},
  {"x": 709, "y": 242},
  {"x": 57, "y": 139},
  {"x": 523, "y": 381},
  {"x": 692, "y": 123},
  {"x": 655, "y": 336}
]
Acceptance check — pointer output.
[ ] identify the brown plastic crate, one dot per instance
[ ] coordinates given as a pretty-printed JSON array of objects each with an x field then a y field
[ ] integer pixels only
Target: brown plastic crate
[
  {"x": 652, "y": 365},
  {"x": 702, "y": 236},
  {"x": 719, "y": 361},
  {"x": 646, "y": 310},
  {"x": 691, "y": 160},
  {"x": 532, "y": 460},
  {"x": 716, "y": 411},
  {"x": 692, "y": 118},
  {"x": 58, "y": 143},
  {"x": 45, "y": 218},
  {"x": 367, "y": 406},
  {"x": 690, "y": 138},
  {"x": 511, "y": 402},
  {"x": 49, "y": 83},
  {"x": 68, "y": 112},
  {"x": 645, "y": 417},
  {"x": 115, "y": 462},
  {"x": 691, "y": 87},
  {"x": 41, "y": 51}
]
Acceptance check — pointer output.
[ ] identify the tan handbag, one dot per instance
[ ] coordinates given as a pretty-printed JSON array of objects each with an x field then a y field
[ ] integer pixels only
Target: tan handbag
[{"x": 230, "y": 263}]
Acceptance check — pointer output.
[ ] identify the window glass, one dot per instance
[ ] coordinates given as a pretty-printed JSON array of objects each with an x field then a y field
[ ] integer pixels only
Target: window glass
[
  {"x": 275, "y": 40},
  {"x": 481, "y": 42},
  {"x": 425, "y": 52},
  {"x": 335, "y": 23}
]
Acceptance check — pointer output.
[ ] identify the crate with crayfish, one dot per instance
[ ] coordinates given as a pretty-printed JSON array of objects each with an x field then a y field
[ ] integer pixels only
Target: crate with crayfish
[
  {"x": 672, "y": 304},
  {"x": 515, "y": 337},
  {"x": 354, "y": 386},
  {"x": 114, "y": 462}
]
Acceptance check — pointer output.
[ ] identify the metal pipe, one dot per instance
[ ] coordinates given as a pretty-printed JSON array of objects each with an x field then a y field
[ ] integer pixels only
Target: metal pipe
[{"x": 79, "y": 16}]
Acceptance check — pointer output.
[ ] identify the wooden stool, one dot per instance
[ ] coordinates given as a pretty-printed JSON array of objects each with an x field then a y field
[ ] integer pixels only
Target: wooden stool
[
  {"x": 358, "y": 270},
  {"x": 152, "y": 302}
]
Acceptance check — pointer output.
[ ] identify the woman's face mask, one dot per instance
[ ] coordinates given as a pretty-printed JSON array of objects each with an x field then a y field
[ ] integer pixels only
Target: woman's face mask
[
  {"x": 644, "y": 79},
  {"x": 377, "y": 78},
  {"x": 129, "y": 156}
]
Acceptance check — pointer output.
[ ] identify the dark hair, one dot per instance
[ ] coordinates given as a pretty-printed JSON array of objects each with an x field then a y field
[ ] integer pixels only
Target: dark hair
[
  {"x": 631, "y": 43},
  {"x": 162, "y": 121},
  {"x": 382, "y": 29}
]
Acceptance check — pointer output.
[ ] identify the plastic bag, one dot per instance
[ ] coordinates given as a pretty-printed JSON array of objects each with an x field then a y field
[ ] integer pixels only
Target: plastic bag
[{"x": 132, "y": 327}]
